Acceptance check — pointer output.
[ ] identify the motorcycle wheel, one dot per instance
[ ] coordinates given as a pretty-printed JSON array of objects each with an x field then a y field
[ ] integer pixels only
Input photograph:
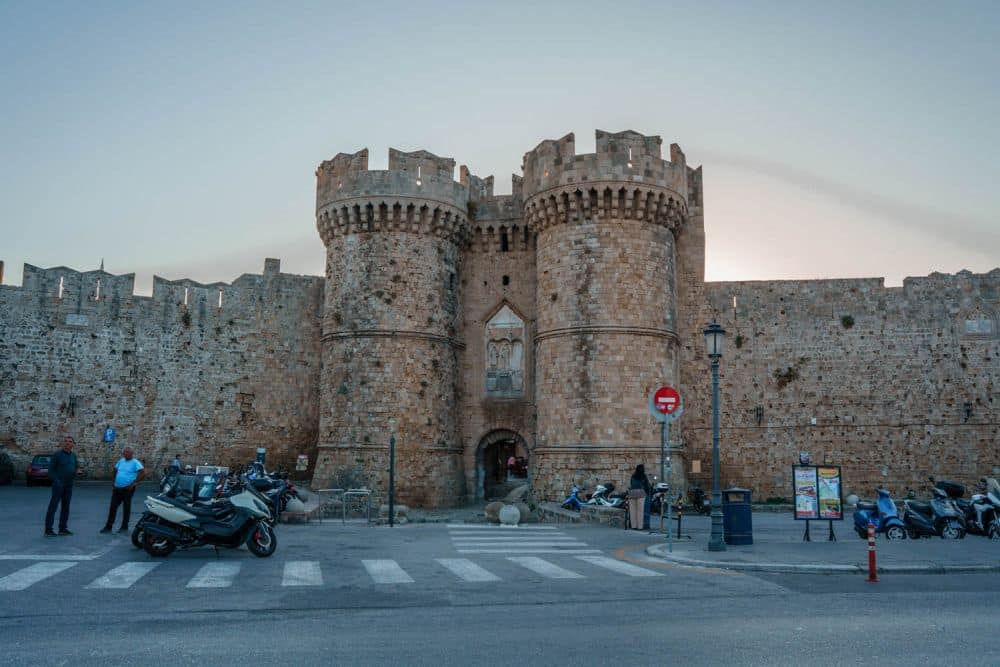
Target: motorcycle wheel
[
  {"x": 895, "y": 533},
  {"x": 137, "y": 536},
  {"x": 157, "y": 547},
  {"x": 952, "y": 530},
  {"x": 863, "y": 534},
  {"x": 262, "y": 541},
  {"x": 994, "y": 531}
]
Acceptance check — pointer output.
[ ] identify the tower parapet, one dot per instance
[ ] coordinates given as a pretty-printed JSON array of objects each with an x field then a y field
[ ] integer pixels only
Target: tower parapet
[
  {"x": 626, "y": 178},
  {"x": 417, "y": 194}
]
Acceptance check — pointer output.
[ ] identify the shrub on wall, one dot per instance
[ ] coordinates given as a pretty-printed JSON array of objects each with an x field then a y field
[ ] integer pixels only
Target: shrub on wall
[{"x": 847, "y": 321}]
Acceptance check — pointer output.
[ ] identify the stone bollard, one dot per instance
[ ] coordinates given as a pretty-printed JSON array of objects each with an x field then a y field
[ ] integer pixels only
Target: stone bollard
[
  {"x": 510, "y": 515},
  {"x": 493, "y": 511}
]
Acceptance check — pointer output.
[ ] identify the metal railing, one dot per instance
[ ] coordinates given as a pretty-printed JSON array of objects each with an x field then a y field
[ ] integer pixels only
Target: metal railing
[{"x": 361, "y": 497}]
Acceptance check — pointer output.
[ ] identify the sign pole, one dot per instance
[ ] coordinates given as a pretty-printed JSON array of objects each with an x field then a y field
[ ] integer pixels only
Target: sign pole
[
  {"x": 663, "y": 447},
  {"x": 392, "y": 479},
  {"x": 668, "y": 497}
]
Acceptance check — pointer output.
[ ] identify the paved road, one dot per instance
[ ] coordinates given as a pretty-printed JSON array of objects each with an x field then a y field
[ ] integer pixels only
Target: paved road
[{"x": 459, "y": 595}]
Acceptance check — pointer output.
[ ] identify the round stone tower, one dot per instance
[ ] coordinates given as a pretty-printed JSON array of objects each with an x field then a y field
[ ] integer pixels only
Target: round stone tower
[
  {"x": 389, "y": 325},
  {"x": 606, "y": 299}
]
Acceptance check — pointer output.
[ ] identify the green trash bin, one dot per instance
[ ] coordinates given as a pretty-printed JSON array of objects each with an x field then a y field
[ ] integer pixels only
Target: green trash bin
[{"x": 737, "y": 520}]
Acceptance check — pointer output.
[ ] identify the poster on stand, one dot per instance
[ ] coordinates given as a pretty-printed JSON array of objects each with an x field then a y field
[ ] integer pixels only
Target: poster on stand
[
  {"x": 830, "y": 503},
  {"x": 806, "y": 498}
]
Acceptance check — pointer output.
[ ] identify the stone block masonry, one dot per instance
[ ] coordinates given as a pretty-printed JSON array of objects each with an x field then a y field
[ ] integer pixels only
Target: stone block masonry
[
  {"x": 175, "y": 373},
  {"x": 478, "y": 327}
]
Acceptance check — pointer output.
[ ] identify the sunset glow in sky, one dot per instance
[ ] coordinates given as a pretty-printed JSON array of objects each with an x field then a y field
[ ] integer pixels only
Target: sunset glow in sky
[{"x": 837, "y": 139}]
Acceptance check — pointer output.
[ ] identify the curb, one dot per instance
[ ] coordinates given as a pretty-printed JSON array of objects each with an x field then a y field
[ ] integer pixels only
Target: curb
[{"x": 657, "y": 551}]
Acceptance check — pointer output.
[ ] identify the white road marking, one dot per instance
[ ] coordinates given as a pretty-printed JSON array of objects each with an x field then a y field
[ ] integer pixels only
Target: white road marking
[
  {"x": 18, "y": 581},
  {"x": 544, "y": 567},
  {"x": 518, "y": 538},
  {"x": 520, "y": 544},
  {"x": 466, "y": 570},
  {"x": 619, "y": 566},
  {"x": 386, "y": 571},
  {"x": 473, "y": 526},
  {"x": 123, "y": 576},
  {"x": 518, "y": 550},
  {"x": 49, "y": 557},
  {"x": 302, "y": 573},
  {"x": 215, "y": 575}
]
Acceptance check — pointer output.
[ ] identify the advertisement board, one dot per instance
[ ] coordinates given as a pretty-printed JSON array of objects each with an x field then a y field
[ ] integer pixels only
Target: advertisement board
[
  {"x": 830, "y": 505},
  {"x": 817, "y": 491},
  {"x": 806, "y": 501}
]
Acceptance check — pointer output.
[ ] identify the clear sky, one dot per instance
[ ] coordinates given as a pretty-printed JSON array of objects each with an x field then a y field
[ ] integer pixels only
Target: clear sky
[{"x": 838, "y": 139}]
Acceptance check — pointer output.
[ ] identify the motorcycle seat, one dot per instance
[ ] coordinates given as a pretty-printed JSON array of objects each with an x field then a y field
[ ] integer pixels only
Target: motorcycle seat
[
  {"x": 917, "y": 506},
  {"x": 202, "y": 509},
  {"x": 867, "y": 506}
]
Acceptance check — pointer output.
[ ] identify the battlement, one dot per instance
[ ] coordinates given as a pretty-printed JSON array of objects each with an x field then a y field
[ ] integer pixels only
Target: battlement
[
  {"x": 621, "y": 157},
  {"x": 64, "y": 290},
  {"x": 419, "y": 175}
]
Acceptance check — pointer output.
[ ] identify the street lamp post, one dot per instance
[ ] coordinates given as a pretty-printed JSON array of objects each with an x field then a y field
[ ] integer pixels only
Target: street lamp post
[{"x": 714, "y": 335}]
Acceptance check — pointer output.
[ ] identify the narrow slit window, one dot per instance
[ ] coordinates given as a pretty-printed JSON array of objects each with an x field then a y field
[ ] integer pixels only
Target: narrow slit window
[
  {"x": 506, "y": 280},
  {"x": 97, "y": 291},
  {"x": 504, "y": 246},
  {"x": 61, "y": 279},
  {"x": 185, "y": 296},
  {"x": 220, "y": 299},
  {"x": 418, "y": 174},
  {"x": 630, "y": 158}
]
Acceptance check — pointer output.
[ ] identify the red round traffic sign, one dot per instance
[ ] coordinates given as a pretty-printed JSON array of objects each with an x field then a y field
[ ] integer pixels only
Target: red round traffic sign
[{"x": 666, "y": 400}]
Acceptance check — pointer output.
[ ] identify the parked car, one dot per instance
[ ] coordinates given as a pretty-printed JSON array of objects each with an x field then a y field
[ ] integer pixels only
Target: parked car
[{"x": 38, "y": 470}]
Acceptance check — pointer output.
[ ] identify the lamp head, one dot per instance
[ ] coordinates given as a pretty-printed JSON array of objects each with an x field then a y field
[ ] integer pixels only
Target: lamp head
[{"x": 714, "y": 335}]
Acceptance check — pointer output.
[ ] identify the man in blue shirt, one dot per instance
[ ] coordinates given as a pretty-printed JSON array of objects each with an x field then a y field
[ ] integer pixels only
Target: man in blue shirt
[
  {"x": 62, "y": 471},
  {"x": 128, "y": 473}
]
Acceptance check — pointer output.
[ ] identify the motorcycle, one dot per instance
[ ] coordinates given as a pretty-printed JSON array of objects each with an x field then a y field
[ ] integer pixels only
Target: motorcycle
[
  {"x": 573, "y": 501},
  {"x": 982, "y": 510},
  {"x": 882, "y": 514},
  {"x": 602, "y": 496},
  {"x": 699, "y": 500},
  {"x": 244, "y": 518},
  {"x": 189, "y": 488},
  {"x": 938, "y": 517},
  {"x": 661, "y": 493}
]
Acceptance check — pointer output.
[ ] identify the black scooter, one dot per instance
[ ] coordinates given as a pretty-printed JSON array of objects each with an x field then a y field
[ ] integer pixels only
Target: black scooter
[{"x": 939, "y": 517}]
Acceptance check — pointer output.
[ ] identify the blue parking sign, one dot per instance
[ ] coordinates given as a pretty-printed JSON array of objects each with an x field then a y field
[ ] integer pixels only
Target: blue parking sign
[{"x": 109, "y": 435}]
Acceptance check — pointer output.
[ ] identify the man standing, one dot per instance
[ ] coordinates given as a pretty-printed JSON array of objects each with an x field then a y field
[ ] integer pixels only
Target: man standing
[
  {"x": 176, "y": 465},
  {"x": 62, "y": 472},
  {"x": 128, "y": 473}
]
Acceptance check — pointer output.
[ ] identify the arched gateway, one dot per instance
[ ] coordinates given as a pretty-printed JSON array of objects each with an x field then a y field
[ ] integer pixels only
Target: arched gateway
[{"x": 493, "y": 476}]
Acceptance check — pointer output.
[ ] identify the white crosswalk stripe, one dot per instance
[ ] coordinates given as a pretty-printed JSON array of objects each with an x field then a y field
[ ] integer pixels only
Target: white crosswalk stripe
[
  {"x": 544, "y": 567},
  {"x": 486, "y": 539},
  {"x": 123, "y": 576},
  {"x": 466, "y": 570},
  {"x": 386, "y": 571},
  {"x": 619, "y": 566},
  {"x": 302, "y": 573},
  {"x": 215, "y": 575},
  {"x": 32, "y": 574}
]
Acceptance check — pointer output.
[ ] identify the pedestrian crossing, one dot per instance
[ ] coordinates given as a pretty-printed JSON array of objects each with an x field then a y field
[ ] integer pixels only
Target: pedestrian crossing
[
  {"x": 305, "y": 574},
  {"x": 488, "y": 539}
]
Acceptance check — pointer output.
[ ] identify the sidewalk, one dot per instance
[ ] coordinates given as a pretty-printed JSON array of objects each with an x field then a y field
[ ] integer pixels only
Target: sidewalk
[{"x": 778, "y": 547}]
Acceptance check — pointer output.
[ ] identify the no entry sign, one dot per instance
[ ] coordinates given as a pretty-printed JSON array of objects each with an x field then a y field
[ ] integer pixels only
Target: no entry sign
[{"x": 665, "y": 404}]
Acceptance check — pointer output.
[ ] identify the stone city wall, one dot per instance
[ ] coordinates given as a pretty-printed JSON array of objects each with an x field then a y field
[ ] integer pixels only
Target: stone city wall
[
  {"x": 902, "y": 382},
  {"x": 208, "y": 382}
]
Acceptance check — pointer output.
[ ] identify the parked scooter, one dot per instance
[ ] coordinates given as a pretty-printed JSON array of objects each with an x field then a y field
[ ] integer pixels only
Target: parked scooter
[
  {"x": 244, "y": 518},
  {"x": 602, "y": 496},
  {"x": 938, "y": 517},
  {"x": 700, "y": 502},
  {"x": 982, "y": 511},
  {"x": 660, "y": 496},
  {"x": 882, "y": 514},
  {"x": 573, "y": 500}
]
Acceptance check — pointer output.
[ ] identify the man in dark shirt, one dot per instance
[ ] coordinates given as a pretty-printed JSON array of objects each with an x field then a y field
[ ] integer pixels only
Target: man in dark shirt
[{"x": 62, "y": 472}]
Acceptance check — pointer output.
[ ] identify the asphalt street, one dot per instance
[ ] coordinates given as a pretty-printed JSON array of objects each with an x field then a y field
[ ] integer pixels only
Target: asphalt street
[{"x": 454, "y": 594}]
